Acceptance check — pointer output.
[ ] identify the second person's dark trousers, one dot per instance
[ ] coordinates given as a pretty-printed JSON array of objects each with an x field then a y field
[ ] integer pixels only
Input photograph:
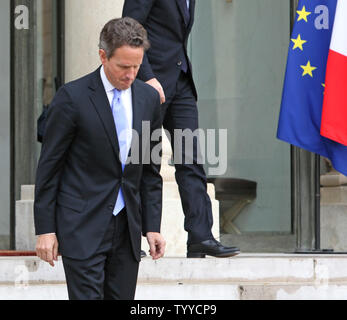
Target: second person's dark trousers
[{"x": 180, "y": 112}]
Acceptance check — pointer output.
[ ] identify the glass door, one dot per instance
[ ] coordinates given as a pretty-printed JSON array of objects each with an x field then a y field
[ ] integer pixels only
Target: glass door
[
  {"x": 37, "y": 64},
  {"x": 239, "y": 52}
]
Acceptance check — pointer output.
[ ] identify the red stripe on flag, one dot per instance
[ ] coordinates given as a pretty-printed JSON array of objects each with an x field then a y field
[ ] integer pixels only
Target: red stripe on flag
[{"x": 334, "y": 114}]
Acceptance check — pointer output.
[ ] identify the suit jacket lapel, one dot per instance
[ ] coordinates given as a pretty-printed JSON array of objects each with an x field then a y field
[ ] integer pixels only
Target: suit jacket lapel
[
  {"x": 101, "y": 104},
  {"x": 137, "y": 109},
  {"x": 192, "y": 14},
  {"x": 182, "y": 9},
  {"x": 137, "y": 121}
]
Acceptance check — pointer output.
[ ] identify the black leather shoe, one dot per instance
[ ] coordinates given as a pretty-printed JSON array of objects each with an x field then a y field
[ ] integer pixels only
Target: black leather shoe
[
  {"x": 143, "y": 254},
  {"x": 211, "y": 248}
]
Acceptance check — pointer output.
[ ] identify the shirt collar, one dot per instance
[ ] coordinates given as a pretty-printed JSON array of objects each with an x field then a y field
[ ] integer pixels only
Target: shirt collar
[{"x": 107, "y": 84}]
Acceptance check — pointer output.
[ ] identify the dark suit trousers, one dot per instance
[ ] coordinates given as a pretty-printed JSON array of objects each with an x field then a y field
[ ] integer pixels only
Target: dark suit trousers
[
  {"x": 111, "y": 273},
  {"x": 180, "y": 112}
]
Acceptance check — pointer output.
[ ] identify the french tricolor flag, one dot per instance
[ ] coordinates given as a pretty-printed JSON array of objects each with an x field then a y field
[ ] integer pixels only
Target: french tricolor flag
[{"x": 334, "y": 115}]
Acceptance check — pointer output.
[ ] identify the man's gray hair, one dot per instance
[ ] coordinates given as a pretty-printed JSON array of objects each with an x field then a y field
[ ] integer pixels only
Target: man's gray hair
[{"x": 123, "y": 32}]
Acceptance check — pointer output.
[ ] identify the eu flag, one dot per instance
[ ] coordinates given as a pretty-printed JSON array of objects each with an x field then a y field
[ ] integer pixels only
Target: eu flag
[{"x": 303, "y": 93}]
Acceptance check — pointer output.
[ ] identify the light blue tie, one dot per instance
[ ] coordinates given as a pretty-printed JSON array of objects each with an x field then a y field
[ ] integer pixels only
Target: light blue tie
[{"x": 120, "y": 120}]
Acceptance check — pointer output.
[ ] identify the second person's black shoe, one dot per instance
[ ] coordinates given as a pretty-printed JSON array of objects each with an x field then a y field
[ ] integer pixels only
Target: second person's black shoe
[{"x": 211, "y": 248}]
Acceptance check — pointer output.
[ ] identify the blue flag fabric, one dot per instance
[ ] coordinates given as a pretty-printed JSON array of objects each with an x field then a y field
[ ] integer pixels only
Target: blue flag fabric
[{"x": 303, "y": 93}]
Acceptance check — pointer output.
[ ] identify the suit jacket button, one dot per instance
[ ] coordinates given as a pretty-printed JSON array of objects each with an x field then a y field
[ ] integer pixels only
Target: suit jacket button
[{"x": 179, "y": 63}]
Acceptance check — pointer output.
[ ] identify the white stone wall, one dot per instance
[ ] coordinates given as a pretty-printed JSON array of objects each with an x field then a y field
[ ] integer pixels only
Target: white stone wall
[{"x": 84, "y": 22}]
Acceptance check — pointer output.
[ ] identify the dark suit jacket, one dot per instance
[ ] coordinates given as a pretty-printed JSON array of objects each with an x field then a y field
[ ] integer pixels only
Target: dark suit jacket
[
  {"x": 79, "y": 172},
  {"x": 168, "y": 32}
]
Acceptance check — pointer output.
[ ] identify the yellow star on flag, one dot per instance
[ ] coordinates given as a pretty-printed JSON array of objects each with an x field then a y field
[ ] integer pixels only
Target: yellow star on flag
[
  {"x": 308, "y": 69},
  {"x": 303, "y": 14},
  {"x": 298, "y": 42}
]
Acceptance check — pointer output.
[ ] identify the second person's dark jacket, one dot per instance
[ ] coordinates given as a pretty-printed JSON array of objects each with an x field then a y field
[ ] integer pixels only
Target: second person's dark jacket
[{"x": 168, "y": 32}]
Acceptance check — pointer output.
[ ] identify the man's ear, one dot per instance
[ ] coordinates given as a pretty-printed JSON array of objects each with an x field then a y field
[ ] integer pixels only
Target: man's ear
[{"x": 103, "y": 56}]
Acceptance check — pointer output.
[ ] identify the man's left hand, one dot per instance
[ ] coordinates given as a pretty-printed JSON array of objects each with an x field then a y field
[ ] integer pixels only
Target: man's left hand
[{"x": 156, "y": 244}]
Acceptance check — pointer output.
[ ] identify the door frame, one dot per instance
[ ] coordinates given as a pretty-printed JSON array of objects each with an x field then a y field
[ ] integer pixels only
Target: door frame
[{"x": 24, "y": 154}]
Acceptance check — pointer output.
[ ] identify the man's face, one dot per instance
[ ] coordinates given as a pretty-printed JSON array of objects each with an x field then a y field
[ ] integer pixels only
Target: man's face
[{"x": 122, "y": 68}]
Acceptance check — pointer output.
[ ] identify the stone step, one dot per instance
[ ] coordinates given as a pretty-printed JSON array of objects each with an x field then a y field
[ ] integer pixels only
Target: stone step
[
  {"x": 27, "y": 192},
  {"x": 333, "y": 179},
  {"x": 247, "y": 276},
  {"x": 199, "y": 292},
  {"x": 334, "y": 195}
]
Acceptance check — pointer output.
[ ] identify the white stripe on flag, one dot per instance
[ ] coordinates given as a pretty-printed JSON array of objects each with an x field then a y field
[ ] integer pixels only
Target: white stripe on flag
[{"x": 339, "y": 37}]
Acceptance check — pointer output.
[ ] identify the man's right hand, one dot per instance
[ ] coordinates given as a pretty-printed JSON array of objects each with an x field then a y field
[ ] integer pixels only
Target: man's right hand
[
  {"x": 157, "y": 86},
  {"x": 47, "y": 248}
]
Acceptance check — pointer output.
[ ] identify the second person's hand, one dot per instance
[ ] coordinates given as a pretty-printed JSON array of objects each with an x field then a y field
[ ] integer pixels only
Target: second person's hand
[{"x": 157, "y": 86}]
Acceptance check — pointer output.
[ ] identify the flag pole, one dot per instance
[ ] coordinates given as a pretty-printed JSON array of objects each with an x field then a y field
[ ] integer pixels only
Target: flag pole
[
  {"x": 318, "y": 248},
  {"x": 317, "y": 203}
]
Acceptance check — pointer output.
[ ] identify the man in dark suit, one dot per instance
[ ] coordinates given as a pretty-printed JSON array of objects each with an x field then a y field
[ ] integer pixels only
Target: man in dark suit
[
  {"x": 91, "y": 204},
  {"x": 167, "y": 68}
]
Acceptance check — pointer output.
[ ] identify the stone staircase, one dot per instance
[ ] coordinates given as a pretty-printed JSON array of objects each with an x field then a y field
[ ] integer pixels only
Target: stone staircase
[{"x": 245, "y": 277}]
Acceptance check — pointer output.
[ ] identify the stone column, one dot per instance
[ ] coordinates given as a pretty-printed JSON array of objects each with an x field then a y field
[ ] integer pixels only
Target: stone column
[
  {"x": 84, "y": 20},
  {"x": 24, "y": 230}
]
